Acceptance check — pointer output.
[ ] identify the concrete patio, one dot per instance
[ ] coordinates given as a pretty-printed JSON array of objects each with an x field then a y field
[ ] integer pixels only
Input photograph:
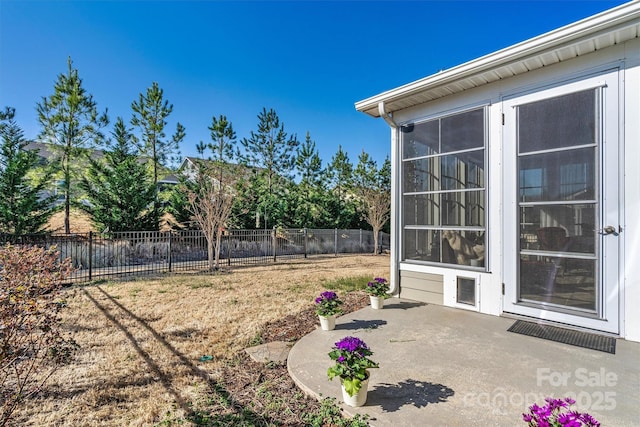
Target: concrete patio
[{"x": 441, "y": 366}]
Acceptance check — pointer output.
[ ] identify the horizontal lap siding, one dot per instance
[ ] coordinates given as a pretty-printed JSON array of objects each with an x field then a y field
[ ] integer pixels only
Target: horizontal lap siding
[{"x": 424, "y": 287}]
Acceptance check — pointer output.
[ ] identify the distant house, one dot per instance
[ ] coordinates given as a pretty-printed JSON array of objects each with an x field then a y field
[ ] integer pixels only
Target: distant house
[
  {"x": 516, "y": 179},
  {"x": 189, "y": 167}
]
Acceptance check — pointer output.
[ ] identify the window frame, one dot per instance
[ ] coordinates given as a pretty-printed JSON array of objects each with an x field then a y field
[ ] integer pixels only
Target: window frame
[{"x": 483, "y": 191}]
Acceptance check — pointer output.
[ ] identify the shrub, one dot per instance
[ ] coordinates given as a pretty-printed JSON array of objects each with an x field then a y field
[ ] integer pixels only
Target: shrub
[{"x": 31, "y": 345}]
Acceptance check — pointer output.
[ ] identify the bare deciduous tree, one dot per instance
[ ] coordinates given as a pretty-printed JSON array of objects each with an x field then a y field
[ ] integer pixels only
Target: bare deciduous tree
[
  {"x": 213, "y": 184},
  {"x": 210, "y": 202},
  {"x": 372, "y": 187}
]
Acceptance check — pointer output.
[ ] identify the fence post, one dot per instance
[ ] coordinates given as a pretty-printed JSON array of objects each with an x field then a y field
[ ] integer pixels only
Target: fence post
[
  {"x": 228, "y": 237},
  {"x": 275, "y": 242},
  {"x": 360, "y": 230},
  {"x": 90, "y": 253},
  {"x": 335, "y": 241},
  {"x": 306, "y": 237},
  {"x": 169, "y": 249}
]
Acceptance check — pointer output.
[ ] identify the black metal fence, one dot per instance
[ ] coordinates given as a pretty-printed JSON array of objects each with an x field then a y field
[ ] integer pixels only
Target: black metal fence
[{"x": 143, "y": 252}]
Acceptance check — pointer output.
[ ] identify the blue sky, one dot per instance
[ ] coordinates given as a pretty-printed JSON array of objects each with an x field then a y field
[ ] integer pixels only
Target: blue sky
[{"x": 310, "y": 61}]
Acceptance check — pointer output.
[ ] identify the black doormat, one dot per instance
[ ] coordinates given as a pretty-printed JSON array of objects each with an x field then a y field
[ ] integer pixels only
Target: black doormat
[{"x": 566, "y": 336}]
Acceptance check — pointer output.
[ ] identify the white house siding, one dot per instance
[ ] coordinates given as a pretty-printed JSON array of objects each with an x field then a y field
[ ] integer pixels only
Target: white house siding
[
  {"x": 631, "y": 190},
  {"x": 624, "y": 56}
]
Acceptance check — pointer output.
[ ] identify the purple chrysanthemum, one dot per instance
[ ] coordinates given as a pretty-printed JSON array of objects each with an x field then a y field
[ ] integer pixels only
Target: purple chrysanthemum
[
  {"x": 556, "y": 412},
  {"x": 329, "y": 295},
  {"x": 351, "y": 344}
]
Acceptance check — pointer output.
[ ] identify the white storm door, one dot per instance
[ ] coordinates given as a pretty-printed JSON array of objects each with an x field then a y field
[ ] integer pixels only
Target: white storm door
[{"x": 562, "y": 204}]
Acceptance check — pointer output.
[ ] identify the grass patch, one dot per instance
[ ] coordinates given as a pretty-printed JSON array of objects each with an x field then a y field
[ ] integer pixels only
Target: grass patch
[
  {"x": 200, "y": 285},
  {"x": 330, "y": 415},
  {"x": 135, "y": 291},
  {"x": 348, "y": 284}
]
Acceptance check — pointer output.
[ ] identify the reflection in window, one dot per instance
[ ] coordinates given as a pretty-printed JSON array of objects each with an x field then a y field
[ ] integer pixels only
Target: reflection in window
[{"x": 443, "y": 185}]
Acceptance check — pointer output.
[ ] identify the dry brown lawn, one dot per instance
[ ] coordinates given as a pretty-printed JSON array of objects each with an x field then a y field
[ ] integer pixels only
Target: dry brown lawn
[{"x": 141, "y": 340}]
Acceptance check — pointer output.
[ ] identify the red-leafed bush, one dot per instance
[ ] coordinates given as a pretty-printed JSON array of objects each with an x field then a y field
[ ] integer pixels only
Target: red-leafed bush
[{"x": 31, "y": 344}]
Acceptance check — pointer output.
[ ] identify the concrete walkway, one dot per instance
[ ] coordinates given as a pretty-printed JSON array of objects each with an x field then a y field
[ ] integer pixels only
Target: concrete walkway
[{"x": 441, "y": 366}]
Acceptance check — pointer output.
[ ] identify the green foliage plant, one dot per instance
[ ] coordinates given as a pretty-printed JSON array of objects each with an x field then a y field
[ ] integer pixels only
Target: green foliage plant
[
  {"x": 23, "y": 209},
  {"x": 330, "y": 414},
  {"x": 328, "y": 304},
  {"x": 378, "y": 287},
  {"x": 351, "y": 357},
  {"x": 119, "y": 191}
]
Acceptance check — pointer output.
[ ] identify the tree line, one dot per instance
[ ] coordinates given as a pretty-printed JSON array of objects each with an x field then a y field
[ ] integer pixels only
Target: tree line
[{"x": 267, "y": 179}]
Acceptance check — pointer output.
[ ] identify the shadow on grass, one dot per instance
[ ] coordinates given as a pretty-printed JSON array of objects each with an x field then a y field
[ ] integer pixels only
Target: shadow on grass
[
  {"x": 198, "y": 417},
  {"x": 391, "y": 397}
]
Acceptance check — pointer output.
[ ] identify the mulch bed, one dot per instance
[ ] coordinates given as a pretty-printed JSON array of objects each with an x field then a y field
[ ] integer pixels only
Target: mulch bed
[{"x": 267, "y": 390}]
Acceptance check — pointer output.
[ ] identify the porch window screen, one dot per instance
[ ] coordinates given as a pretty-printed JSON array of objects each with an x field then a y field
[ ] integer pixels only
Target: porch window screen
[{"x": 443, "y": 189}]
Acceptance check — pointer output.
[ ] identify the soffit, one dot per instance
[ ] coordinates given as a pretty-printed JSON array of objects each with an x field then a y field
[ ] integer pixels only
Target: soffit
[{"x": 595, "y": 33}]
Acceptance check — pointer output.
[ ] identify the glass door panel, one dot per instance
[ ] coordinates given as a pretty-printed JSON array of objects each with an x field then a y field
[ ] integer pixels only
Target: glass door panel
[
  {"x": 561, "y": 145},
  {"x": 557, "y": 191}
]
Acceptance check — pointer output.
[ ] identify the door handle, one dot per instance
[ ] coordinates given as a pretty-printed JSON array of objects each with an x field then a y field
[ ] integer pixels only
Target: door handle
[{"x": 609, "y": 229}]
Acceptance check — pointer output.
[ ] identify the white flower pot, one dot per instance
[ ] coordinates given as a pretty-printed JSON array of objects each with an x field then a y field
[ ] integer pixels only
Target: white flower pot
[
  {"x": 358, "y": 399},
  {"x": 328, "y": 323},
  {"x": 376, "y": 302}
]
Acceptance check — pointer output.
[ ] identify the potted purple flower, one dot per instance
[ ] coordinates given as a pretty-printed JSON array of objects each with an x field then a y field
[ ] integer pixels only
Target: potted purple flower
[
  {"x": 556, "y": 413},
  {"x": 351, "y": 356},
  {"x": 327, "y": 307},
  {"x": 378, "y": 290}
]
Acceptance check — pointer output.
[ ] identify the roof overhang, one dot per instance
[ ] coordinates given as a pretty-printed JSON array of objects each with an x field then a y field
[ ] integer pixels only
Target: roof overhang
[{"x": 595, "y": 33}]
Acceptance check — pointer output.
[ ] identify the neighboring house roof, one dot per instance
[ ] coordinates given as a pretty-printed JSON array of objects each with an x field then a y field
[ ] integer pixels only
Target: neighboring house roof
[
  {"x": 169, "y": 179},
  {"x": 48, "y": 153},
  {"x": 597, "y": 32}
]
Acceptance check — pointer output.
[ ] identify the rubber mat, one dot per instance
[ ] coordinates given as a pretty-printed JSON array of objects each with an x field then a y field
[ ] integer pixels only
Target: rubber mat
[{"x": 566, "y": 336}]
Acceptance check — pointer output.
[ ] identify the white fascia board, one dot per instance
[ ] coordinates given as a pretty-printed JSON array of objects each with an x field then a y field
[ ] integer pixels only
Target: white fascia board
[{"x": 612, "y": 20}]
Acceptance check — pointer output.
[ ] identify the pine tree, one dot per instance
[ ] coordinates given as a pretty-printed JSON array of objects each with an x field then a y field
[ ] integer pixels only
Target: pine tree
[
  {"x": 119, "y": 191},
  {"x": 340, "y": 173},
  {"x": 149, "y": 117},
  {"x": 309, "y": 189},
  {"x": 70, "y": 120},
  {"x": 272, "y": 152},
  {"x": 23, "y": 210}
]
